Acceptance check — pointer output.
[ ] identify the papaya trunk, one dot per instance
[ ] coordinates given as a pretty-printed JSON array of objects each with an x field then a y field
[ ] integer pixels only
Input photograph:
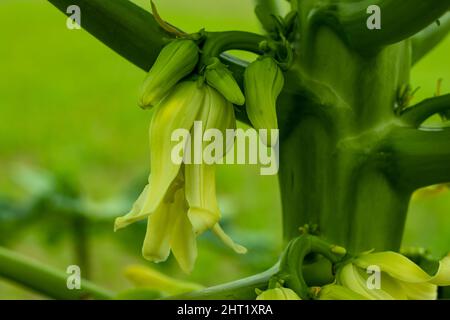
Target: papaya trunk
[{"x": 336, "y": 169}]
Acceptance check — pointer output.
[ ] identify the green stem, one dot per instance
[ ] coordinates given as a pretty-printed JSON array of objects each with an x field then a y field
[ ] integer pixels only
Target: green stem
[
  {"x": 416, "y": 115},
  {"x": 427, "y": 39},
  {"x": 243, "y": 289},
  {"x": 218, "y": 42},
  {"x": 81, "y": 244},
  {"x": 127, "y": 29},
  {"x": 399, "y": 20},
  {"x": 45, "y": 280},
  {"x": 293, "y": 260},
  {"x": 421, "y": 156}
]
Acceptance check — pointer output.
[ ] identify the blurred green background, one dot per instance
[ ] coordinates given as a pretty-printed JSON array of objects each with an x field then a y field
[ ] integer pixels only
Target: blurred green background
[{"x": 72, "y": 136}]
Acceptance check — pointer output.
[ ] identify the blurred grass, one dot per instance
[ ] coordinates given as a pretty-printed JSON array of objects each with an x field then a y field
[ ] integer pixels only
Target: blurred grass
[{"x": 68, "y": 104}]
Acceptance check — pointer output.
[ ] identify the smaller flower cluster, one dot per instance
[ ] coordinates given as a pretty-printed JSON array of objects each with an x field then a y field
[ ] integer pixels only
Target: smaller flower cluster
[{"x": 399, "y": 279}]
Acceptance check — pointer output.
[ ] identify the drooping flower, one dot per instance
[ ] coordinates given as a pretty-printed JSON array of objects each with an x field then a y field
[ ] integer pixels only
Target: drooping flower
[
  {"x": 400, "y": 278},
  {"x": 180, "y": 199}
]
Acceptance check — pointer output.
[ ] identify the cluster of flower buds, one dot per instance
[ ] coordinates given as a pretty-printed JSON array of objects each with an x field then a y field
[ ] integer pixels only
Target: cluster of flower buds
[
  {"x": 399, "y": 278},
  {"x": 180, "y": 198}
]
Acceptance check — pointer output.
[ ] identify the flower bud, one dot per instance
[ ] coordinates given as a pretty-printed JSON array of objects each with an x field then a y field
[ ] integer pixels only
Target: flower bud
[
  {"x": 278, "y": 294},
  {"x": 263, "y": 81},
  {"x": 175, "y": 61},
  {"x": 220, "y": 78}
]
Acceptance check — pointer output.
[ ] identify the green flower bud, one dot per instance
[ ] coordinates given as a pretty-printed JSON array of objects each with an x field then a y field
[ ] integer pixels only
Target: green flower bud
[
  {"x": 220, "y": 78},
  {"x": 263, "y": 81},
  {"x": 278, "y": 294},
  {"x": 175, "y": 61}
]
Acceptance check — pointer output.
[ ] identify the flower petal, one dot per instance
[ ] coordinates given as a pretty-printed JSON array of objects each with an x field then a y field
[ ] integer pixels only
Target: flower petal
[
  {"x": 218, "y": 231},
  {"x": 278, "y": 294},
  {"x": 177, "y": 111},
  {"x": 160, "y": 227},
  {"x": 201, "y": 196},
  {"x": 420, "y": 291},
  {"x": 183, "y": 243},
  {"x": 133, "y": 215},
  {"x": 442, "y": 277},
  {"x": 396, "y": 265},
  {"x": 350, "y": 278},
  {"x": 337, "y": 292}
]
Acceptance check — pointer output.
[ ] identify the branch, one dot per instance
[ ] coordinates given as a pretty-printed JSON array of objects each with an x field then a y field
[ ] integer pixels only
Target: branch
[
  {"x": 243, "y": 289},
  {"x": 430, "y": 37},
  {"x": 416, "y": 115},
  {"x": 399, "y": 20},
  {"x": 123, "y": 26},
  {"x": 44, "y": 279},
  {"x": 133, "y": 33},
  {"x": 421, "y": 156}
]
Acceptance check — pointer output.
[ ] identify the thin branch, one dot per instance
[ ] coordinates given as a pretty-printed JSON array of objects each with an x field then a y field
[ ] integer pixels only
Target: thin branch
[
  {"x": 399, "y": 20},
  {"x": 243, "y": 289},
  {"x": 427, "y": 39},
  {"x": 417, "y": 114},
  {"x": 421, "y": 156},
  {"x": 45, "y": 280}
]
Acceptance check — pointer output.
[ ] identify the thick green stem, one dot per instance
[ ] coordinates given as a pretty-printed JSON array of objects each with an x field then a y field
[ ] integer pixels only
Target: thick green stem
[
  {"x": 399, "y": 20},
  {"x": 427, "y": 39},
  {"x": 422, "y": 156},
  {"x": 45, "y": 280},
  {"x": 333, "y": 169}
]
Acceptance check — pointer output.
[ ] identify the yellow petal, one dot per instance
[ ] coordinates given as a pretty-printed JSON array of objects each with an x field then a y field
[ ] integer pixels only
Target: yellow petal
[
  {"x": 133, "y": 215},
  {"x": 145, "y": 277},
  {"x": 442, "y": 277},
  {"x": 177, "y": 111},
  {"x": 220, "y": 117},
  {"x": 350, "y": 278},
  {"x": 402, "y": 268},
  {"x": 218, "y": 231},
  {"x": 201, "y": 196},
  {"x": 183, "y": 243},
  {"x": 420, "y": 291},
  {"x": 160, "y": 227}
]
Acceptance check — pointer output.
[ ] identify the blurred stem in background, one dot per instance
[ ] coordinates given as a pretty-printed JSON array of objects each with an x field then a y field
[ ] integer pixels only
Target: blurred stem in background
[
  {"x": 44, "y": 279},
  {"x": 80, "y": 231}
]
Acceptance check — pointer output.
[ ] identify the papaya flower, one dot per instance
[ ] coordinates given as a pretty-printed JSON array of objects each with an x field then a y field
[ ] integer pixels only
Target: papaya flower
[
  {"x": 399, "y": 278},
  {"x": 179, "y": 200}
]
